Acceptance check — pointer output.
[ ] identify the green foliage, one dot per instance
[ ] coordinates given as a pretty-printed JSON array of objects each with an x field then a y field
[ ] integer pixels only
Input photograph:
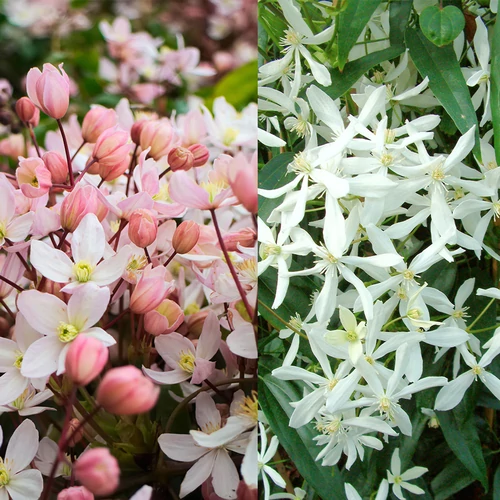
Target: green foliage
[
  {"x": 442, "y": 25},
  {"x": 495, "y": 88}
]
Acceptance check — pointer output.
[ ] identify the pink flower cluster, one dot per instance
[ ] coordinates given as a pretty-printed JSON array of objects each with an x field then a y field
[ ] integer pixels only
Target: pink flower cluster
[{"x": 128, "y": 263}]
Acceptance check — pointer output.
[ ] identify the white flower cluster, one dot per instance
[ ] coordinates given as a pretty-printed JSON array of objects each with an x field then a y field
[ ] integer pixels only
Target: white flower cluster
[{"x": 374, "y": 173}]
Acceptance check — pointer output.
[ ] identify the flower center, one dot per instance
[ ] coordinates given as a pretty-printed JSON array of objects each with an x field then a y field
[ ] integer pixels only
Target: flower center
[
  {"x": 300, "y": 126},
  {"x": 351, "y": 336},
  {"x": 477, "y": 370},
  {"x": 296, "y": 322},
  {"x": 386, "y": 159},
  {"x": 230, "y": 135},
  {"x": 460, "y": 313},
  {"x": 438, "y": 173},
  {"x": 414, "y": 313},
  {"x": 408, "y": 275},
  {"x": 4, "y": 473},
  {"x": 66, "y": 332},
  {"x": 268, "y": 249},
  {"x": 187, "y": 361},
  {"x": 192, "y": 309},
  {"x": 19, "y": 359},
  {"x": 3, "y": 230},
  {"x": 83, "y": 271},
  {"x": 398, "y": 479},
  {"x": 496, "y": 209},
  {"x": 291, "y": 38},
  {"x": 249, "y": 407},
  {"x": 384, "y": 404},
  {"x": 300, "y": 165}
]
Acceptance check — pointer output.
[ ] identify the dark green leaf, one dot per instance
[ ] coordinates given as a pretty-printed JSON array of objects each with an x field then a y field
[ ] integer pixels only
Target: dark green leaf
[
  {"x": 399, "y": 13},
  {"x": 275, "y": 397},
  {"x": 451, "y": 480},
  {"x": 271, "y": 176},
  {"x": 496, "y": 484},
  {"x": 442, "y": 26},
  {"x": 445, "y": 80},
  {"x": 463, "y": 440},
  {"x": 495, "y": 88},
  {"x": 351, "y": 24}
]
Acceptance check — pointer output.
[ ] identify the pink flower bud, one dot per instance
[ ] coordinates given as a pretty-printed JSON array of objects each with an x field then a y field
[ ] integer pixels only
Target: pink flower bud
[
  {"x": 75, "y": 493},
  {"x": 80, "y": 202},
  {"x": 57, "y": 165},
  {"x": 150, "y": 290},
  {"x": 243, "y": 181},
  {"x": 33, "y": 177},
  {"x": 135, "y": 131},
  {"x": 25, "y": 109},
  {"x": 49, "y": 90},
  {"x": 186, "y": 236},
  {"x": 166, "y": 318},
  {"x": 126, "y": 391},
  {"x": 98, "y": 471},
  {"x": 180, "y": 159},
  {"x": 74, "y": 435},
  {"x": 85, "y": 359},
  {"x": 142, "y": 227},
  {"x": 200, "y": 154},
  {"x": 96, "y": 121},
  {"x": 245, "y": 238},
  {"x": 111, "y": 146},
  {"x": 110, "y": 171},
  {"x": 157, "y": 135}
]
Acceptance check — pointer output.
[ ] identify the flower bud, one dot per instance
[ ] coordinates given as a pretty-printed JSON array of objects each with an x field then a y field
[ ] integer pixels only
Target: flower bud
[
  {"x": 157, "y": 135},
  {"x": 243, "y": 181},
  {"x": 25, "y": 109},
  {"x": 135, "y": 131},
  {"x": 245, "y": 237},
  {"x": 142, "y": 227},
  {"x": 57, "y": 165},
  {"x": 111, "y": 146},
  {"x": 75, "y": 493},
  {"x": 180, "y": 159},
  {"x": 126, "y": 391},
  {"x": 80, "y": 202},
  {"x": 49, "y": 90},
  {"x": 74, "y": 435},
  {"x": 186, "y": 236},
  {"x": 85, "y": 359},
  {"x": 111, "y": 171},
  {"x": 150, "y": 290},
  {"x": 96, "y": 121},
  {"x": 98, "y": 471},
  {"x": 166, "y": 318},
  {"x": 200, "y": 154},
  {"x": 33, "y": 177}
]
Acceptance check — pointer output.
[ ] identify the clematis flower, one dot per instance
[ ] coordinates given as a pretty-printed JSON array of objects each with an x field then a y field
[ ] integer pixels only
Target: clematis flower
[
  {"x": 265, "y": 455},
  {"x": 210, "y": 448},
  {"x": 400, "y": 480},
  {"x": 18, "y": 480},
  {"x": 63, "y": 325},
  {"x": 34, "y": 177},
  {"x": 28, "y": 403},
  {"x": 186, "y": 360},
  {"x": 88, "y": 248}
]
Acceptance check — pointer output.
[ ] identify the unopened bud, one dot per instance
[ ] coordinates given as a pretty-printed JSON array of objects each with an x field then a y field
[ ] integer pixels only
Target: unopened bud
[
  {"x": 96, "y": 121},
  {"x": 142, "y": 227},
  {"x": 186, "y": 236},
  {"x": 245, "y": 238},
  {"x": 166, "y": 318},
  {"x": 75, "y": 493},
  {"x": 180, "y": 159},
  {"x": 200, "y": 154},
  {"x": 85, "y": 359},
  {"x": 98, "y": 471},
  {"x": 135, "y": 131},
  {"x": 75, "y": 432},
  {"x": 57, "y": 165},
  {"x": 25, "y": 109}
]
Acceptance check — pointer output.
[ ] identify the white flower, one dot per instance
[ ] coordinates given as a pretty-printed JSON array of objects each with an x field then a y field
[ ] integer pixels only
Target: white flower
[
  {"x": 400, "y": 481},
  {"x": 16, "y": 479},
  {"x": 264, "y": 456}
]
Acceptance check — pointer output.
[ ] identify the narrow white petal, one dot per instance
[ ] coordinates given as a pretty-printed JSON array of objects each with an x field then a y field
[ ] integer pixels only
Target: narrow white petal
[{"x": 450, "y": 395}]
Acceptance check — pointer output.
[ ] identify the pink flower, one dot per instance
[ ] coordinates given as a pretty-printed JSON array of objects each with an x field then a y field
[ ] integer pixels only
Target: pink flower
[
  {"x": 85, "y": 360},
  {"x": 143, "y": 228},
  {"x": 186, "y": 236},
  {"x": 185, "y": 360},
  {"x": 126, "y": 391},
  {"x": 49, "y": 90},
  {"x": 61, "y": 327},
  {"x": 96, "y": 121},
  {"x": 75, "y": 493},
  {"x": 111, "y": 147},
  {"x": 33, "y": 177},
  {"x": 98, "y": 471},
  {"x": 57, "y": 166},
  {"x": 25, "y": 109},
  {"x": 150, "y": 290},
  {"x": 243, "y": 181},
  {"x": 158, "y": 135},
  {"x": 164, "y": 319}
]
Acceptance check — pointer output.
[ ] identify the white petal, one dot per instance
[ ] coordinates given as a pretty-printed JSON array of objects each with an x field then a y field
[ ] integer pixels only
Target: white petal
[
  {"x": 181, "y": 447},
  {"x": 12, "y": 385},
  {"x": 26, "y": 484},
  {"x": 41, "y": 358},
  {"x": 19, "y": 227},
  {"x": 450, "y": 395},
  {"x": 209, "y": 341},
  {"x": 492, "y": 383},
  {"x": 36, "y": 306},
  {"x": 167, "y": 378},
  {"x": 198, "y": 473},
  {"x": 22, "y": 446},
  {"x": 101, "y": 335},
  {"x": 87, "y": 305},
  {"x": 88, "y": 240},
  {"x": 8, "y": 356},
  {"x": 50, "y": 262}
]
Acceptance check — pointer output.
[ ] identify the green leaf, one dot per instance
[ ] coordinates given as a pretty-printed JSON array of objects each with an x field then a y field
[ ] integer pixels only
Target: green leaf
[
  {"x": 353, "y": 71},
  {"x": 275, "y": 397},
  {"x": 441, "y": 275},
  {"x": 496, "y": 484},
  {"x": 445, "y": 80},
  {"x": 495, "y": 88},
  {"x": 239, "y": 87},
  {"x": 463, "y": 440},
  {"x": 273, "y": 175},
  {"x": 399, "y": 13},
  {"x": 442, "y": 26},
  {"x": 451, "y": 480},
  {"x": 351, "y": 24}
]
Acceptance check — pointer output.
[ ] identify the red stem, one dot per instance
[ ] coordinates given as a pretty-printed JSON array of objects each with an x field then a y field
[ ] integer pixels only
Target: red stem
[{"x": 68, "y": 156}]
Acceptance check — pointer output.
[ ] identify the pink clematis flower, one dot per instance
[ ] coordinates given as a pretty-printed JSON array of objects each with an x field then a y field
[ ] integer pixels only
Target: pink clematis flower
[
  {"x": 12, "y": 228},
  {"x": 49, "y": 90},
  {"x": 186, "y": 360},
  {"x": 34, "y": 177},
  {"x": 88, "y": 248},
  {"x": 63, "y": 325},
  {"x": 210, "y": 448}
]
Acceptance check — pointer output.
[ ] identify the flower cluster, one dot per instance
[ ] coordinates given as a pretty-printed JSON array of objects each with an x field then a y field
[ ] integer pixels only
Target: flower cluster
[
  {"x": 372, "y": 200},
  {"x": 128, "y": 269}
]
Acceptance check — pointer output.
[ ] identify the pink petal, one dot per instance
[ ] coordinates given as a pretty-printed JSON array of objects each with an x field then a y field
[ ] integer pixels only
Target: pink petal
[
  {"x": 209, "y": 341},
  {"x": 198, "y": 474},
  {"x": 185, "y": 191},
  {"x": 203, "y": 369}
]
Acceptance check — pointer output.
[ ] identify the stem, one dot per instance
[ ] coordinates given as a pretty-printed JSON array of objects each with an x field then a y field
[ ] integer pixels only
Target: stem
[
  {"x": 123, "y": 223},
  {"x": 87, "y": 418},
  {"x": 166, "y": 171},
  {"x": 169, "y": 260},
  {"x": 6, "y": 307},
  {"x": 469, "y": 328},
  {"x": 230, "y": 265},
  {"x": 147, "y": 255},
  {"x": 85, "y": 170},
  {"x": 216, "y": 390},
  {"x": 131, "y": 168},
  {"x": 278, "y": 317},
  {"x": 33, "y": 140},
  {"x": 115, "y": 289},
  {"x": 481, "y": 330},
  {"x": 78, "y": 150},
  {"x": 63, "y": 238},
  {"x": 113, "y": 321},
  {"x": 11, "y": 283},
  {"x": 68, "y": 156}
]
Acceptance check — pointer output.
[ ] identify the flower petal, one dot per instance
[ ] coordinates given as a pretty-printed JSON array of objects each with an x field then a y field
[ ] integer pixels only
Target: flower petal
[
  {"x": 41, "y": 358},
  {"x": 22, "y": 446},
  {"x": 50, "y": 262},
  {"x": 88, "y": 240}
]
